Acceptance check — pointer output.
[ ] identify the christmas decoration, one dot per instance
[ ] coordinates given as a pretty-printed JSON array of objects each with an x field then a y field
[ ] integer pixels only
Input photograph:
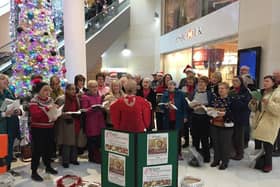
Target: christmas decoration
[{"x": 35, "y": 47}]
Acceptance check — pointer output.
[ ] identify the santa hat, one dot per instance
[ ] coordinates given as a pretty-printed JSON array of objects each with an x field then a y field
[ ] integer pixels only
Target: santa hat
[
  {"x": 188, "y": 68},
  {"x": 160, "y": 73},
  {"x": 113, "y": 74}
]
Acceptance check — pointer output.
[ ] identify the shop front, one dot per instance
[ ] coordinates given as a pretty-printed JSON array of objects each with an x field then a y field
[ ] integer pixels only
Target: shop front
[
  {"x": 219, "y": 56},
  {"x": 209, "y": 44}
]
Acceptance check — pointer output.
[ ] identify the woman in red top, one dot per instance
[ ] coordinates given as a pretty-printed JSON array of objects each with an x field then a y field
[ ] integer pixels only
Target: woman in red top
[
  {"x": 131, "y": 113},
  {"x": 94, "y": 120},
  {"x": 69, "y": 127},
  {"x": 41, "y": 129}
]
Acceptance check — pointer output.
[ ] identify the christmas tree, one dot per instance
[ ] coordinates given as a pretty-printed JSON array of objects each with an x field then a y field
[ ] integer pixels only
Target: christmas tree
[{"x": 35, "y": 48}]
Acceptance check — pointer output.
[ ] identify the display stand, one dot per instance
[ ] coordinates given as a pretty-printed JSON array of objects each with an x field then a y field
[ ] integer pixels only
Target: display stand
[{"x": 139, "y": 159}]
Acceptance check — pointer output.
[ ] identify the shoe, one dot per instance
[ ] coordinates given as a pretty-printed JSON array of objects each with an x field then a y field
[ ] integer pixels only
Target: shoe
[
  {"x": 214, "y": 164},
  {"x": 14, "y": 173},
  {"x": 237, "y": 157},
  {"x": 75, "y": 163},
  {"x": 267, "y": 169},
  {"x": 223, "y": 166},
  {"x": 14, "y": 159},
  {"x": 36, "y": 177},
  {"x": 51, "y": 171},
  {"x": 65, "y": 165}
]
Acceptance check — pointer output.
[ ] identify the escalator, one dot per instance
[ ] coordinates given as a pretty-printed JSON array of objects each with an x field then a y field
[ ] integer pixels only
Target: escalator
[{"x": 101, "y": 31}]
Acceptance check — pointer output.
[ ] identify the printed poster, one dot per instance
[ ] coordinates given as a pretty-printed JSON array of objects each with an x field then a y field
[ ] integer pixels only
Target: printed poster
[
  {"x": 157, "y": 176},
  {"x": 117, "y": 142},
  {"x": 116, "y": 169},
  {"x": 157, "y": 148}
]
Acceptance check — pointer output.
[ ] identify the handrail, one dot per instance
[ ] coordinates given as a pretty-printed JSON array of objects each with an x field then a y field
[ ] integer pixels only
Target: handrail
[
  {"x": 102, "y": 12},
  {"x": 7, "y": 44},
  {"x": 100, "y": 18}
]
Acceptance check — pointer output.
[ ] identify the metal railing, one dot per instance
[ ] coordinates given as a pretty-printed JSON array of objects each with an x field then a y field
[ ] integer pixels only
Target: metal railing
[{"x": 92, "y": 26}]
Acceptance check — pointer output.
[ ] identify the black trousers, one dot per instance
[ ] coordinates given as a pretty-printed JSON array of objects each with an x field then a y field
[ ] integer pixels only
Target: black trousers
[
  {"x": 186, "y": 133},
  {"x": 277, "y": 143},
  {"x": 200, "y": 134},
  {"x": 258, "y": 144},
  {"x": 93, "y": 143},
  {"x": 42, "y": 146},
  {"x": 238, "y": 139},
  {"x": 247, "y": 130},
  {"x": 268, "y": 148},
  {"x": 172, "y": 126},
  {"x": 159, "y": 120},
  {"x": 222, "y": 143},
  {"x": 69, "y": 154}
]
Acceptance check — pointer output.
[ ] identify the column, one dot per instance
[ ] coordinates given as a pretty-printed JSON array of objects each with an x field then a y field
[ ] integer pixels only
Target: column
[{"x": 74, "y": 38}]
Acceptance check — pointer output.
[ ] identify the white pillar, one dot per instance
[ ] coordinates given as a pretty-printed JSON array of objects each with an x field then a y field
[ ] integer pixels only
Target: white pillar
[{"x": 74, "y": 38}]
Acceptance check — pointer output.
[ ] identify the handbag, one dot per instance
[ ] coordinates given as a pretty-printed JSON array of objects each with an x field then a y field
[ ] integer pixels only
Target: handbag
[
  {"x": 81, "y": 139},
  {"x": 26, "y": 153},
  {"x": 229, "y": 124}
]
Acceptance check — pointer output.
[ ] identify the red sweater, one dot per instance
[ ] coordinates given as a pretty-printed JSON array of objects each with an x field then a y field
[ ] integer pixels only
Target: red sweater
[
  {"x": 39, "y": 118},
  {"x": 172, "y": 112},
  {"x": 131, "y": 113},
  {"x": 72, "y": 105}
]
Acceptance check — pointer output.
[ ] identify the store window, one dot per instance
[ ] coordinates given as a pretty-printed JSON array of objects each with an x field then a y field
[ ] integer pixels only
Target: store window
[
  {"x": 220, "y": 56},
  {"x": 182, "y": 12},
  {"x": 175, "y": 63}
]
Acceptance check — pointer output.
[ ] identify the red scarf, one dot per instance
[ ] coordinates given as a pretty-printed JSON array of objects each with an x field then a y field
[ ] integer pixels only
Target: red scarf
[
  {"x": 190, "y": 89},
  {"x": 146, "y": 92},
  {"x": 237, "y": 90},
  {"x": 72, "y": 105},
  {"x": 172, "y": 112}
]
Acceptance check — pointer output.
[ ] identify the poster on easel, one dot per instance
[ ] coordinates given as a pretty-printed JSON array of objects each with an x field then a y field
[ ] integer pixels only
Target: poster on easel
[
  {"x": 157, "y": 148},
  {"x": 117, "y": 142},
  {"x": 157, "y": 176},
  {"x": 116, "y": 169}
]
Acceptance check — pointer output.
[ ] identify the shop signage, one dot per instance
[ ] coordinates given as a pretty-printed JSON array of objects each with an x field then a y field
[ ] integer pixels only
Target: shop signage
[{"x": 189, "y": 34}]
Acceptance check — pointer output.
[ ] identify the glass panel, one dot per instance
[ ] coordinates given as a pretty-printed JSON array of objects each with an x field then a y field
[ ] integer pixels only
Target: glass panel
[
  {"x": 182, "y": 12},
  {"x": 220, "y": 56},
  {"x": 5, "y": 58},
  {"x": 175, "y": 63},
  {"x": 100, "y": 20}
]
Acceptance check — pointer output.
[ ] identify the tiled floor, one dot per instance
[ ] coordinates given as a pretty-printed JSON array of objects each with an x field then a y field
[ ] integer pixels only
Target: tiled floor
[{"x": 237, "y": 175}]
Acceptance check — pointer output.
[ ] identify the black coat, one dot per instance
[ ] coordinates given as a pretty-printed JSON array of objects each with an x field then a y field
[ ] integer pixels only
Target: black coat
[
  {"x": 239, "y": 106},
  {"x": 151, "y": 97}
]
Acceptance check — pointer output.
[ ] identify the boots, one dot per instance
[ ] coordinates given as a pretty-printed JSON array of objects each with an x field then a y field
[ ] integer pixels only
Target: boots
[{"x": 36, "y": 177}]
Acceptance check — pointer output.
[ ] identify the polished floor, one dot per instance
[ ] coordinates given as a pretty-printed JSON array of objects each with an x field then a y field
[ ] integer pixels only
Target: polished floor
[{"x": 238, "y": 174}]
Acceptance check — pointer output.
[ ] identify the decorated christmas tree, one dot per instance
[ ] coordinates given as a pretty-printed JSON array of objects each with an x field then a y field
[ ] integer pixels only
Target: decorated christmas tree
[{"x": 35, "y": 48}]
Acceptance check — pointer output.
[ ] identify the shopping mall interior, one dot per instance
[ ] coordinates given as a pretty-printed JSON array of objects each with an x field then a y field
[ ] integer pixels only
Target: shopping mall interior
[{"x": 140, "y": 39}]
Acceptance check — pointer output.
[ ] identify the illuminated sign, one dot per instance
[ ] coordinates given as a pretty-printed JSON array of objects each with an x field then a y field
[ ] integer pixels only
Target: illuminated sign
[{"x": 189, "y": 34}]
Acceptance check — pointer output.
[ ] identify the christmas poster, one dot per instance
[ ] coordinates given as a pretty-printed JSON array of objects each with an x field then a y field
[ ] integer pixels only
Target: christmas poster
[
  {"x": 116, "y": 169},
  {"x": 117, "y": 142},
  {"x": 157, "y": 148}
]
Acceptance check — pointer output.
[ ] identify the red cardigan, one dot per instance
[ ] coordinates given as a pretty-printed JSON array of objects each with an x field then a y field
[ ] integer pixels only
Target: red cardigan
[
  {"x": 131, "y": 113},
  {"x": 39, "y": 118}
]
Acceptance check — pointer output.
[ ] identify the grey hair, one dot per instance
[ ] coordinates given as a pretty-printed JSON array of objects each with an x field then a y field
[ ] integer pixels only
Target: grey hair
[{"x": 172, "y": 82}]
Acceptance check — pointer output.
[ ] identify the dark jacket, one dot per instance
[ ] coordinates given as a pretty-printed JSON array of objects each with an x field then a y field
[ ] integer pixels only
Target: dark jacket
[
  {"x": 13, "y": 121},
  {"x": 240, "y": 109},
  {"x": 151, "y": 97},
  {"x": 181, "y": 105},
  {"x": 226, "y": 103}
]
